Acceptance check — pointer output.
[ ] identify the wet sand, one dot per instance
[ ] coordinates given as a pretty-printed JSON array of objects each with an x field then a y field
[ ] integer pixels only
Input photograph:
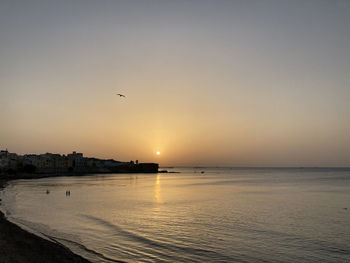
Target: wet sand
[{"x": 18, "y": 245}]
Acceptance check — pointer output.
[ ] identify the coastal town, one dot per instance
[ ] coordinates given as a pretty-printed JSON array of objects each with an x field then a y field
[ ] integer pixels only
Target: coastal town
[{"x": 73, "y": 163}]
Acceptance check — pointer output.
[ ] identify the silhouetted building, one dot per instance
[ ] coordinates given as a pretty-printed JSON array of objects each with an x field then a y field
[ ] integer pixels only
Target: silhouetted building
[
  {"x": 50, "y": 163},
  {"x": 76, "y": 160}
]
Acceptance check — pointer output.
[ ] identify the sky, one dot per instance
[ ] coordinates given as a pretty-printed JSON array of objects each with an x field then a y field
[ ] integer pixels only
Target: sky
[{"x": 215, "y": 83}]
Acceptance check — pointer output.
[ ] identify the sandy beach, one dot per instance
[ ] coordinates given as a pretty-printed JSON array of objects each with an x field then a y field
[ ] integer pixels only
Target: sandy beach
[{"x": 17, "y": 245}]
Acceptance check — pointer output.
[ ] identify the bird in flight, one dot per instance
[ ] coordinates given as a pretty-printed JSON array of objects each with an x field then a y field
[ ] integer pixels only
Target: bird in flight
[{"x": 121, "y": 95}]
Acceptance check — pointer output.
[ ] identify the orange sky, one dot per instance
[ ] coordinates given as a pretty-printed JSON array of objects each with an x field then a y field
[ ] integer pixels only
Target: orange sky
[{"x": 234, "y": 83}]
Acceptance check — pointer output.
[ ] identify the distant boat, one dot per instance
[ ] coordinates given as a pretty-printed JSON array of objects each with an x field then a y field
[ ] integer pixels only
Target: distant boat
[{"x": 202, "y": 172}]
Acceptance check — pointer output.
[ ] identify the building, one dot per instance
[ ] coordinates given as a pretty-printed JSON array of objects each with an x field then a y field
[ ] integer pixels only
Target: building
[
  {"x": 30, "y": 159},
  {"x": 76, "y": 160},
  {"x": 8, "y": 160},
  {"x": 4, "y": 161},
  {"x": 111, "y": 163}
]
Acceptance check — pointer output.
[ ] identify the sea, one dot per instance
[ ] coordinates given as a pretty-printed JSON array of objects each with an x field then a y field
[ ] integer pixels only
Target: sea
[{"x": 191, "y": 214}]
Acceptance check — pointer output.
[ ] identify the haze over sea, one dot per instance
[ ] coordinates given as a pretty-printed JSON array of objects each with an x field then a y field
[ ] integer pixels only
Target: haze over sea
[{"x": 222, "y": 215}]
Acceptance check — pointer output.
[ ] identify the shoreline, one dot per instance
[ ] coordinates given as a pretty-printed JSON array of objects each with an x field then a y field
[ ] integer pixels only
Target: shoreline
[{"x": 20, "y": 246}]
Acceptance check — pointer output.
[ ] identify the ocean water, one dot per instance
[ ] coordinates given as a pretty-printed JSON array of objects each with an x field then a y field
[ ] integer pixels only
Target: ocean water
[{"x": 221, "y": 215}]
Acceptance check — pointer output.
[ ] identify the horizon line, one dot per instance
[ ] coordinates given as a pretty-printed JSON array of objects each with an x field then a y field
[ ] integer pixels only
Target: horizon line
[{"x": 257, "y": 167}]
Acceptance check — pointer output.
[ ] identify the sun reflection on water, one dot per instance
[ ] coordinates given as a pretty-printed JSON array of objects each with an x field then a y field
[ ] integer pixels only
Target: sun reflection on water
[{"x": 157, "y": 191}]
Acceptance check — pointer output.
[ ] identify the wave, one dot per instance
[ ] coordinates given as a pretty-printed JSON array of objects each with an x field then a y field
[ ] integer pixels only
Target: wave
[
  {"x": 81, "y": 246},
  {"x": 164, "y": 246}
]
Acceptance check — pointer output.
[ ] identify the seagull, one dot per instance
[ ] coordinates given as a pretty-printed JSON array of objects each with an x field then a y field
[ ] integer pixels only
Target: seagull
[{"x": 121, "y": 95}]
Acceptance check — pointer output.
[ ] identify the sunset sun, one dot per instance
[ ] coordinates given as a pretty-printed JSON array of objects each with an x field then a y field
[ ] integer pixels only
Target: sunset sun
[{"x": 158, "y": 153}]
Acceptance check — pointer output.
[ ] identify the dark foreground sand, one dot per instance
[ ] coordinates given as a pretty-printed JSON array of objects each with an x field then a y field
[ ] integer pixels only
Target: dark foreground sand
[{"x": 17, "y": 245}]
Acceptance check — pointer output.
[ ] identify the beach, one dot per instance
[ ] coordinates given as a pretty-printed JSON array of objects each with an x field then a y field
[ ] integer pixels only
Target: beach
[{"x": 18, "y": 245}]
